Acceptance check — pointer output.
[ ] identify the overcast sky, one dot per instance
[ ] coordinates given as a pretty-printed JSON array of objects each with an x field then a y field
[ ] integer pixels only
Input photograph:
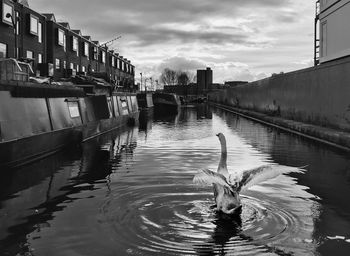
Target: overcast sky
[{"x": 238, "y": 39}]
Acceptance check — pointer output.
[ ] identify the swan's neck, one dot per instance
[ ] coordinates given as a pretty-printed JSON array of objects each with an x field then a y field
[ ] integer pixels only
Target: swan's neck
[{"x": 222, "y": 168}]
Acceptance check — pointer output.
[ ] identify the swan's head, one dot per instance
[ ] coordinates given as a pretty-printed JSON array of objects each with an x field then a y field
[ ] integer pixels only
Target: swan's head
[{"x": 221, "y": 137}]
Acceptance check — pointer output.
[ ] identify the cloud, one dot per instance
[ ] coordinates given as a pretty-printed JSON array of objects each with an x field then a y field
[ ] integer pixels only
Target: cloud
[
  {"x": 266, "y": 36},
  {"x": 181, "y": 63}
]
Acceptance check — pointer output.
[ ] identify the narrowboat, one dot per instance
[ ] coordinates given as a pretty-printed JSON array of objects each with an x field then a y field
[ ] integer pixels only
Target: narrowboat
[
  {"x": 166, "y": 102},
  {"x": 37, "y": 120},
  {"x": 145, "y": 100}
]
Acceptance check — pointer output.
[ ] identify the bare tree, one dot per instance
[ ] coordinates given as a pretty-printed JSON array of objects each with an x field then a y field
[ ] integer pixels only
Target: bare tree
[
  {"x": 168, "y": 77},
  {"x": 183, "y": 78}
]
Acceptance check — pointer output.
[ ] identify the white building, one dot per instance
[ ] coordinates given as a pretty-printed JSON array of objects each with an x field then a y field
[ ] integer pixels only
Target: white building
[{"x": 334, "y": 29}]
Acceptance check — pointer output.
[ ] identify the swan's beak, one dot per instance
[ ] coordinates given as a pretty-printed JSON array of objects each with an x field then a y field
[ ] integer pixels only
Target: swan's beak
[{"x": 217, "y": 134}]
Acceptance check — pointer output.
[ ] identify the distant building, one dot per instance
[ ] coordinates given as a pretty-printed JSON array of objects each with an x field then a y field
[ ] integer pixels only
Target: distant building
[
  {"x": 234, "y": 83},
  {"x": 332, "y": 19},
  {"x": 214, "y": 86},
  {"x": 204, "y": 80}
]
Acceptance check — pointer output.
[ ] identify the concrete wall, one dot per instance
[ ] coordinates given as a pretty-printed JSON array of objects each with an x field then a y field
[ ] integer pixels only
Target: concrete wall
[{"x": 318, "y": 95}]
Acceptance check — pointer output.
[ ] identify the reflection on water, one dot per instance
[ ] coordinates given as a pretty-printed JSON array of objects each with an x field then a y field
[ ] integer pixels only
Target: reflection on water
[{"x": 131, "y": 193}]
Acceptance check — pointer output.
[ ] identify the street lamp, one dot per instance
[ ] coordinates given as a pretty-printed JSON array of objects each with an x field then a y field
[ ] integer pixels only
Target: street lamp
[
  {"x": 146, "y": 85},
  {"x": 14, "y": 24},
  {"x": 141, "y": 82},
  {"x": 151, "y": 82}
]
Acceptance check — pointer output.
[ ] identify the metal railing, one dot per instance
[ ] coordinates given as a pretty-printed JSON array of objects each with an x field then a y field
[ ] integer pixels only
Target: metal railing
[
  {"x": 13, "y": 70},
  {"x": 317, "y": 53}
]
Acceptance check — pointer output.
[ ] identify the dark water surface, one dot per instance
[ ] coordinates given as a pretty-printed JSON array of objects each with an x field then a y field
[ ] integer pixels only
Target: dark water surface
[{"x": 131, "y": 193}]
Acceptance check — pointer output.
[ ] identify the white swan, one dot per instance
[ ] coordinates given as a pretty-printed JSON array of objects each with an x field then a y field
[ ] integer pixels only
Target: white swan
[{"x": 227, "y": 186}]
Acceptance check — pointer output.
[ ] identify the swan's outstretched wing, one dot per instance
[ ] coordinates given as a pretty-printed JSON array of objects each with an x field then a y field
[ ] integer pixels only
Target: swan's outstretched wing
[
  {"x": 208, "y": 177},
  {"x": 254, "y": 176}
]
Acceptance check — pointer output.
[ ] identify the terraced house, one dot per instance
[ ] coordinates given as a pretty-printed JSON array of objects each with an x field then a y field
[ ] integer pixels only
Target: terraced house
[
  {"x": 56, "y": 50},
  {"x": 22, "y": 33}
]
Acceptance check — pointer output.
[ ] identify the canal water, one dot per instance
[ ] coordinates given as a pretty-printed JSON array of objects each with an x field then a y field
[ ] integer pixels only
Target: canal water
[{"x": 130, "y": 192}]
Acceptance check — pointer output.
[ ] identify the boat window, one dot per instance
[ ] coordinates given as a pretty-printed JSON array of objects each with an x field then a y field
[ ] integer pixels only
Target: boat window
[
  {"x": 110, "y": 106},
  {"x": 124, "y": 105},
  {"x": 73, "y": 108},
  {"x": 116, "y": 108},
  {"x": 134, "y": 103}
]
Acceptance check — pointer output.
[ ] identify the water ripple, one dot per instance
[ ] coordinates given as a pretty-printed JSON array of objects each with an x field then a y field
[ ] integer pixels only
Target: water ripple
[{"x": 173, "y": 222}]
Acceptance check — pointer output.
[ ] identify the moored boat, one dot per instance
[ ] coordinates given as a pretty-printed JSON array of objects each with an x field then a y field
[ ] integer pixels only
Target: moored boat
[
  {"x": 38, "y": 120},
  {"x": 145, "y": 100},
  {"x": 166, "y": 102}
]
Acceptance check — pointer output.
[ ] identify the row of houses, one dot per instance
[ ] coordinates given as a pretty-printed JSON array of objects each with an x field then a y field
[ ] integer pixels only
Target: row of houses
[{"x": 55, "y": 49}]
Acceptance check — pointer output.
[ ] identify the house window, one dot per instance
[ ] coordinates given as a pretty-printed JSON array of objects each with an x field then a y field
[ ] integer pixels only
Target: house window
[
  {"x": 113, "y": 61},
  {"x": 58, "y": 64},
  {"x": 73, "y": 108},
  {"x": 324, "y": 39},
  {"x": 95, "y": 53},
  {"x": 64, "y": 64},
  {"x": 61, "y": 37},
  {"x": 3, "y": 50},
  {"x": 30, "y": 55},
  {"x": 77, "y": 68},
  {"x": 86, "y": 49},
  {"x": 83, "y": 68},
  {"x": 103, "y": 57},
  {"x": 71, "y": 66},
  {"x": 40, "y": 58},
  {"x": 40, "y": 32},
  {"x": 118, "y": 64},
  {"x": 34, "y": 25},
  {"x": 75, "y": 45},
  {"x": 64, "y": 42},
  {"x": 7, "y": 9}
]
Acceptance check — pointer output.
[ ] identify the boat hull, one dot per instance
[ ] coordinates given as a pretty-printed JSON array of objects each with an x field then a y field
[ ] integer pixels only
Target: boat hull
[
  {"x": 35, "y": 127},
  {"x": 166, "y": 102}
]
